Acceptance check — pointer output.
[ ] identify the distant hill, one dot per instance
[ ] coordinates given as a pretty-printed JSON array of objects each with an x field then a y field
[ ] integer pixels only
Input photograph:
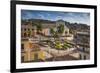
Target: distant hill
[
  {"x": 78, "y": 26},
  {"x": 72, "y": 26}
]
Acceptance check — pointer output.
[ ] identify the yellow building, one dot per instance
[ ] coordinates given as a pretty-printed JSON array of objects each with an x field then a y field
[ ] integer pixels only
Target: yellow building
[{"x": 31, "y": 52}]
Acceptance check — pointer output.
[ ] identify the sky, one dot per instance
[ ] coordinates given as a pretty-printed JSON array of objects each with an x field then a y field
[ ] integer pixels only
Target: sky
[{"x": 73, "y": 17}]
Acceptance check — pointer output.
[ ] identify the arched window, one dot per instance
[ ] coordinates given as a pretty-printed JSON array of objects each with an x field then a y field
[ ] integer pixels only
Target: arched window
[
  {"x": 22, "y": 59},
  {"x": 80, "y": 56},
  {"x": 84, "y": 57},
  {"x": 25, "y": 35},
  {"x": 22, "y": 46},
  {"x": 28, "y": 34}
]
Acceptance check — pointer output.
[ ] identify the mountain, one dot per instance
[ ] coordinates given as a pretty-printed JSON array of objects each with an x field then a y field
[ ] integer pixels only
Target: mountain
[
  {"x": 72, "y": 26},
  {"x": 78, "y": 26}
]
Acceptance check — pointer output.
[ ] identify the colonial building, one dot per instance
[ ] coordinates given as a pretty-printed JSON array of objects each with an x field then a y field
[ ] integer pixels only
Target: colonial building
[
  {"x": 82, "y": 39},
  {"x": 46, "y": 26},
  {"x": 66, "y": 29},
  {"x": 31, "y": 51},
  {"x": 30, "y": 30}
]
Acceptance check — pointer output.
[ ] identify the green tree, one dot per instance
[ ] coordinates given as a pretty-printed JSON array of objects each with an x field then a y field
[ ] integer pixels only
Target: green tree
[
  {"x": 54, "y": 34},
  {"x": 39, "y": 28},
  {"x": 52, "y": 31},
  {"x": 60, "y": 29},
  {"x": 58, "y": 46},
  {"x": 29, "y": 33}
]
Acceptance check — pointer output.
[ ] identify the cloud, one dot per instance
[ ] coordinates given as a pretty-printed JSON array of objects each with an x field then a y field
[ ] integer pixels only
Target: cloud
[{"x": 79, "y": 17}]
